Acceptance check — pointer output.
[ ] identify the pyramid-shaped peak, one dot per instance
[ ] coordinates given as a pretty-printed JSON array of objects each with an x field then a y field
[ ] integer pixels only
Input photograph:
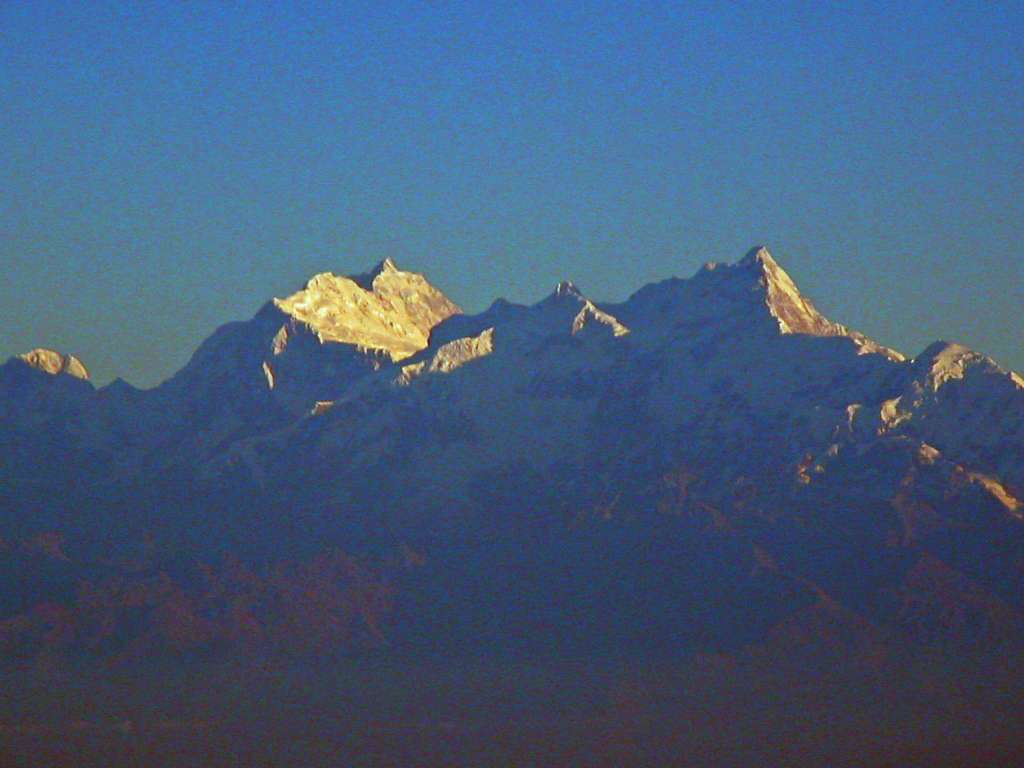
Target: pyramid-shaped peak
[
  {"x": 793, "y": 311},
  {"x": 567, "y": 289},
  {"x": 760, "y": 261},
  {"x": 783, "y": 294}
]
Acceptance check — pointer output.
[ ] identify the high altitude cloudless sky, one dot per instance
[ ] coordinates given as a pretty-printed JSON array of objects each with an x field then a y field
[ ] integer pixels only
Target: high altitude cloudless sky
[{"x": 166, "y": 168}]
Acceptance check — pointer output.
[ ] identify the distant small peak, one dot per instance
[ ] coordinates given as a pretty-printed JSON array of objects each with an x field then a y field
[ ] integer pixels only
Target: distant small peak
[
  {"x": 567, "y": 288},
  {"x": 944, "y": 361},
  {"x": 501, "y": 304},
  {"x": 119, "y": 387},
  {"x": 55, "y": 363}
]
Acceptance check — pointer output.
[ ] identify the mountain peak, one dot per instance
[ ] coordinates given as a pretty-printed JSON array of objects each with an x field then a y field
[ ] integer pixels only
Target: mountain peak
[
  {"x": 773, "y": 277},
  {"x": 794, "y": 312},
  {"x": 365, "y": 280},
  {"x": 55, "y": 363},
  {"x": 943, "y": 348},
  {"x": 759, "y": 254},
  {"x": 945, "y": 361},
  {"x": 386, "y": 309},
  {"x": 797, "y": 314},
  {"x": 755, "y": 288},
  {"x": 566, "y": 289}
]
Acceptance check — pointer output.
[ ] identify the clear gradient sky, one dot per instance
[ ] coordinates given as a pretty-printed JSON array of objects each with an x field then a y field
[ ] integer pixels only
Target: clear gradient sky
[{"x": 167, "y": 168}]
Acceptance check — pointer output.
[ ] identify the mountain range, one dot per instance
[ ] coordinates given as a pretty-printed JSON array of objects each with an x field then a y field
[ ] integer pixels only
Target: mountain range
[{"x": 710, "y": 464}]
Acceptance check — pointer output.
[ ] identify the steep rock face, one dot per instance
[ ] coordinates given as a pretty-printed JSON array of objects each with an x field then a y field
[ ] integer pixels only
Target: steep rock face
[{"x": 794, "y": 312}]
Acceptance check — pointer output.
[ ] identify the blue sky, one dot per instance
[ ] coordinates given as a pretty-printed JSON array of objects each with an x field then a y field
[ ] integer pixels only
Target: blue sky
[{"x": 167, "y": 168}]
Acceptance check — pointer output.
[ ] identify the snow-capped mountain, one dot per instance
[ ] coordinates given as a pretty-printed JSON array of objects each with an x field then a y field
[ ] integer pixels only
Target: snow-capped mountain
[
  {"x": 248, "y": 376},
  {"x": 723, "y": 408},
  {"x": 734, "y": 356}
]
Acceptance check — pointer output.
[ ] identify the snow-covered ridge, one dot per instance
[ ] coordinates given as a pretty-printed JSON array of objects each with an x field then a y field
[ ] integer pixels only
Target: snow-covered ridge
[
  {"x": 732, "y": 347},
  {"x": 590, "y": 315},
  {"x": 451, "y": 355}
]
